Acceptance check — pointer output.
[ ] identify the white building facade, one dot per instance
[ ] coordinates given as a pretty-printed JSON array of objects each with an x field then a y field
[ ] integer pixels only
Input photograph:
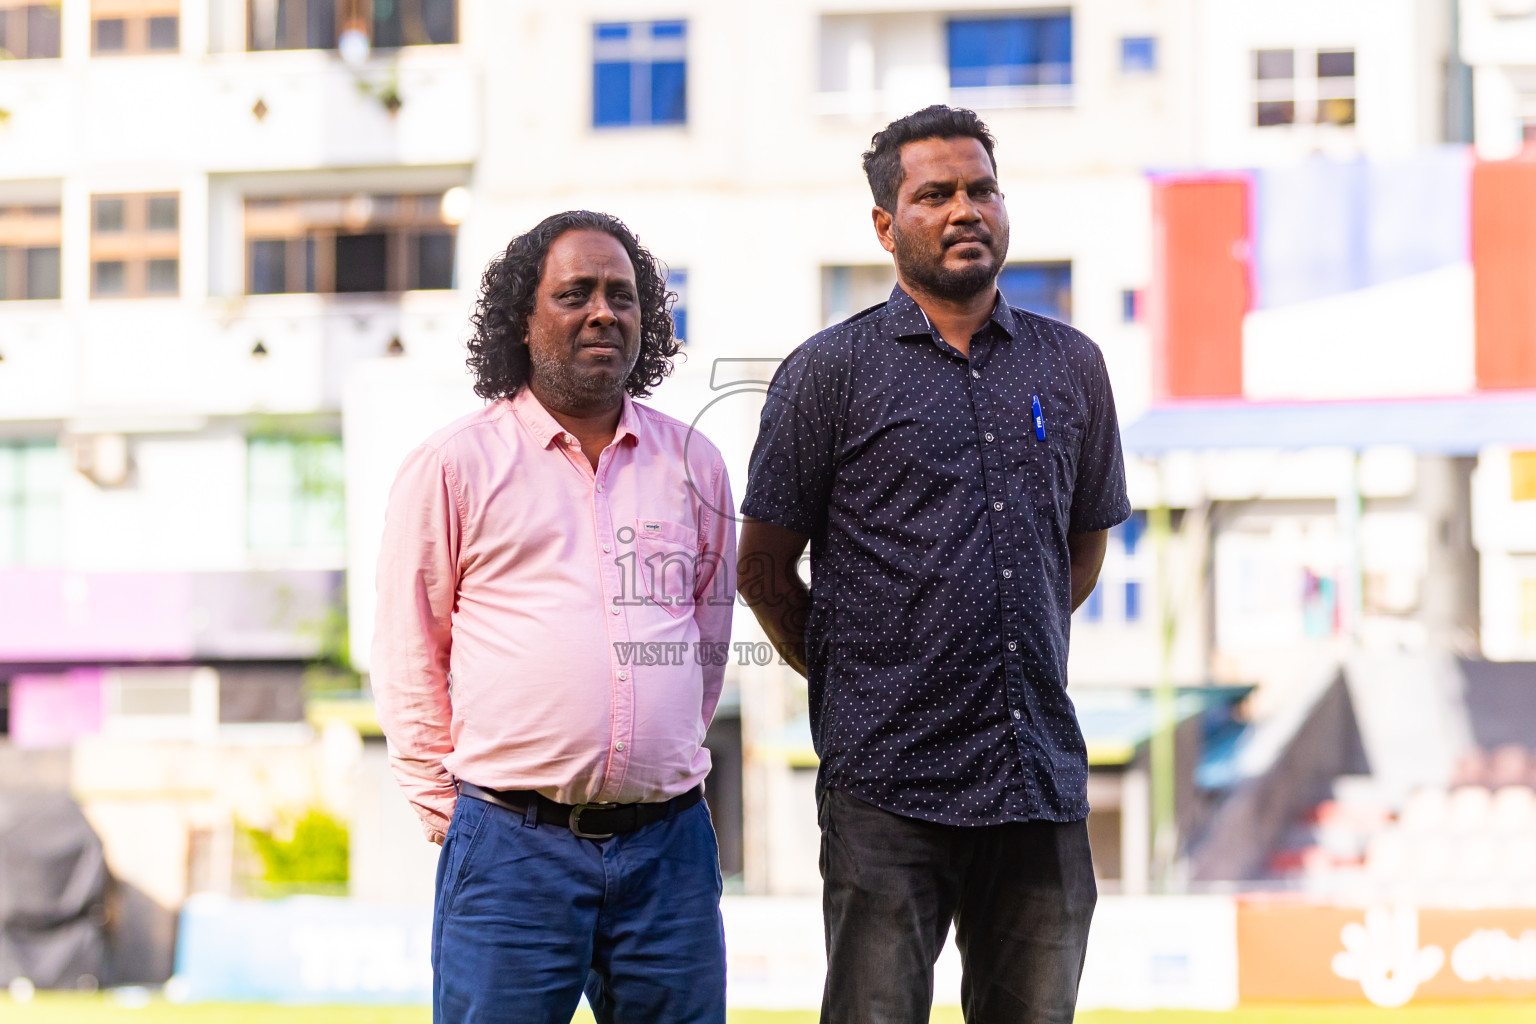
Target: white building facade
[{"x": 240, "y": 240}]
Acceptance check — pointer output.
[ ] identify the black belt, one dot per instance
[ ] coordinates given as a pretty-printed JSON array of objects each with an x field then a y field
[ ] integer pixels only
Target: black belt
[{"x": 589, "y": 821}]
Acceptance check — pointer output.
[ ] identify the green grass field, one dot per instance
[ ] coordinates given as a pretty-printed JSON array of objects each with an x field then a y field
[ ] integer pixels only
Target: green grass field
[{"x": 58, "y": 1009}]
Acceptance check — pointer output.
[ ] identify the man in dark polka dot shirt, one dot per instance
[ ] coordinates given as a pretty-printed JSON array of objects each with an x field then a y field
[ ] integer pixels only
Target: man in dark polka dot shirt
[{"x": 953, "y": 463}]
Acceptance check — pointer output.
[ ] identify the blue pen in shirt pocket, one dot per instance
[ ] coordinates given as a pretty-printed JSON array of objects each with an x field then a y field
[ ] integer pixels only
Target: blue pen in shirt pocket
[{"x": 1034, "y": 402}]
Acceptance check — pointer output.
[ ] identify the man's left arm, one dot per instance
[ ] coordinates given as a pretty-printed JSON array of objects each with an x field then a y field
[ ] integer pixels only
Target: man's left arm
[
  {"x": 1087, "y": 551},
  {"x": 714, "y": 589}
]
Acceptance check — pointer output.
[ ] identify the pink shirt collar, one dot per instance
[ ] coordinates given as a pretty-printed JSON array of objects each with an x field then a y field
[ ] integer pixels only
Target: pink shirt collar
[{"x": 545, "y": 428}]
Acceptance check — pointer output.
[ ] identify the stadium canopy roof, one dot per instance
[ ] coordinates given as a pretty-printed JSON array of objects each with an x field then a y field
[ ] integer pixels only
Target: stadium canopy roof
[
  {"x": 1117, "y": 720},
  {"x": 1460, "y": 425}
]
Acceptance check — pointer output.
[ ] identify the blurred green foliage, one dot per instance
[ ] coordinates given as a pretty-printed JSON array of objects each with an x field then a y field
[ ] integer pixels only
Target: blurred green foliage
[
  {"x": 331, "y": 669},
  {"x": 308, "y": 855}
]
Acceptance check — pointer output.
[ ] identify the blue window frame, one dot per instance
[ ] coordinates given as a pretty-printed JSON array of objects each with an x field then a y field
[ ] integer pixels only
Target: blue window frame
[
  {"x": 1044, "y": 288},
  {"x": 1132, "y": 600},
  {"x": 1128, "y": 304},
  {"x": 1093, "y": 607},
  {"x": 1131, "y": 532},
  {"x": 1015, "y": 50},
  {"x": 639, "y": 73},
  {"x": 1138, "y": 55},
  {"x": 677, "y": 281}
]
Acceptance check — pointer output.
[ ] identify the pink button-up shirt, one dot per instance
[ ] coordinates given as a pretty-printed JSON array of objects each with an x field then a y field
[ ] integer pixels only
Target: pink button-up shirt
[{"x": 541, "y": 626}]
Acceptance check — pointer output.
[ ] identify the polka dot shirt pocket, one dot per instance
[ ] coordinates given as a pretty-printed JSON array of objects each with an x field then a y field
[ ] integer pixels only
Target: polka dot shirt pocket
[{"x": 1041, "y": 479}]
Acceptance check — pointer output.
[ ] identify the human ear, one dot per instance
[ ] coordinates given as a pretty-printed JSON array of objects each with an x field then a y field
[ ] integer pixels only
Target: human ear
[{"x": 882, "y": 220}]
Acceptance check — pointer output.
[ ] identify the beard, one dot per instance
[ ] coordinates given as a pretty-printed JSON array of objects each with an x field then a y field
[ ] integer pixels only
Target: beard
[
  {"x": 922, "y": 263},
  {"x": 569, "y": 389}
]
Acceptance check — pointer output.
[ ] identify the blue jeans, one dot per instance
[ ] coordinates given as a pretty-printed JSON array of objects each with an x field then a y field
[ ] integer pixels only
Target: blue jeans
[{"x": 528, "y": 916}]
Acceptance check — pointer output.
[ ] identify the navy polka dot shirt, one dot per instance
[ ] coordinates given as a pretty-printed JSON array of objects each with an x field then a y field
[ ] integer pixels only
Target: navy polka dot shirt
[{"x": 941, "y": 585}]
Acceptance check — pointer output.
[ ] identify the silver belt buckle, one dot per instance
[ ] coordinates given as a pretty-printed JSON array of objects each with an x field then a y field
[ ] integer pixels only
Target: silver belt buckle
[{"x": 575, "y": 821}]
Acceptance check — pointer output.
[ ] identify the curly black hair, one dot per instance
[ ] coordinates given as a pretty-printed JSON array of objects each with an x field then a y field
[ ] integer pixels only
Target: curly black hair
[{"x": 498, "y": 352}]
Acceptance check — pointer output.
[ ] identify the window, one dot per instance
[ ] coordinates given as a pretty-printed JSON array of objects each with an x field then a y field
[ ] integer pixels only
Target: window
[
  {"x": 1044, "y": 288},
  {"x": 164, "y": 32},
  {"x": 135, "y": 26},
  {"x": 1129, "y": 304},
  {"x": 1336, "y": 87},
  {"x": 135, "y": 245},
  {"x": 381, "y": 243},
  {"x": 1132, "y": 600},
  {"x": 1275, "y": 72},
  {"x": 291, "y": 25},
  {"x": 295, "y": 497},
  {"x": 434, "y": 260},
  {"x": 31, "y": 482},
  {"x": 1093, "y": 607},
  {"x": 1138, "y": 55},
  {"x": 317, "y": 24},
  {"x": 1283, "y": 97},
  {"x": 848, "y": 290},
  {"x": 1011, "y": 51},
  {"x": 677, "y": 281},
  {"x": 639, "y": 73},
  {"x": 29, "y": 252},
  {"x": 28, "y": 30},
  {"x": 1131, "y": 532},
  {"x": 362, "y": 262},
  {"x": 413, "y": 22}
]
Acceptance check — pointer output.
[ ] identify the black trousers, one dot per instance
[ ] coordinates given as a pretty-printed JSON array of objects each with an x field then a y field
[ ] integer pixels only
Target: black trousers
[{"x": 1021, "y": 897}]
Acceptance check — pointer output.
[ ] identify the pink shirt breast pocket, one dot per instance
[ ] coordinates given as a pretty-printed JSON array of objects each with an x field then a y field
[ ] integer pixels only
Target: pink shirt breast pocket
[{"x": 669, "y": 564}]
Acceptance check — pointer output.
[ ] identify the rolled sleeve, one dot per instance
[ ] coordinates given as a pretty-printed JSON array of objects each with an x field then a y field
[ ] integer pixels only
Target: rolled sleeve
[
  {"x": 417, "y": 584},
  {"x": 1099, "y": 498}
]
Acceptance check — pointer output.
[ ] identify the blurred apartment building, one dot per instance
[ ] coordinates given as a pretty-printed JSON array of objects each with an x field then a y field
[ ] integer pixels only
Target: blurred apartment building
[
  {"x": 206, "y": 216},
  {"x": 239, "y": 241}
]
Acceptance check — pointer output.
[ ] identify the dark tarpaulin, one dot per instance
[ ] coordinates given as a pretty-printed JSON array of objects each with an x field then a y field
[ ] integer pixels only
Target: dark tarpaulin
[{"x": 53, "y": 892}]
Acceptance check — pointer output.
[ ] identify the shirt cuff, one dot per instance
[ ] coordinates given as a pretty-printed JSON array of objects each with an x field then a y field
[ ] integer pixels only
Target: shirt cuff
[
  {"x": 435, "y": 825},
  {"x": 1115, "y": 518},
  {"x": 785, "y": 518}
]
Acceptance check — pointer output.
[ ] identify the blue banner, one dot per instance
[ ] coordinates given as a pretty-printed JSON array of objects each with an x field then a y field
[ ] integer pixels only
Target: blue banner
[{"x": 304, "y": 949}]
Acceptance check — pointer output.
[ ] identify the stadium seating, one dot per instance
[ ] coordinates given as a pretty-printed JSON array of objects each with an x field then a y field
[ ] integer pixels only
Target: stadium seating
[{"x": 1469, "y": 844}]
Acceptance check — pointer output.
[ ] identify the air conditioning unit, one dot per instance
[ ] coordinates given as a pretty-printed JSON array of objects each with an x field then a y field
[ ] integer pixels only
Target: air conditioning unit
[{"x": 172, "y": 703}]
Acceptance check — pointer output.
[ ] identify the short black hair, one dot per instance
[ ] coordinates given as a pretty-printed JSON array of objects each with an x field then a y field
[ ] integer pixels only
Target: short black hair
[
  {"x": 882, "y": 162},
  {"x": 498, "y": 352}
]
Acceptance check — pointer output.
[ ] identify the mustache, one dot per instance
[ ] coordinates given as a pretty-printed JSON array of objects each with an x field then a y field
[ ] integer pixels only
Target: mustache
[{"x": 968, "y": 235}]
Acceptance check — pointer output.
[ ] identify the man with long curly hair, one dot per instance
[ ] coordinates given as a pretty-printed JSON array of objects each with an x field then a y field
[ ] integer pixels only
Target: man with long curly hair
[{"x": 555, "y": 596}]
